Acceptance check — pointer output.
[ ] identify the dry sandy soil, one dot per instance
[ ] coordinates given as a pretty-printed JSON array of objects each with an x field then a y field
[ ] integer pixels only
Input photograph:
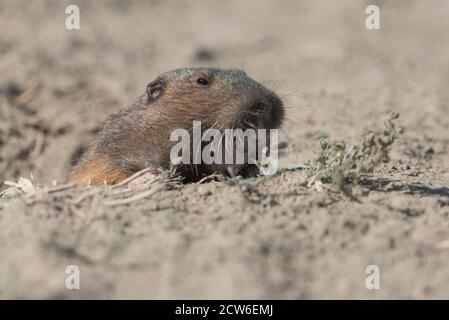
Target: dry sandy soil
[{"x": 209, "y": 241}]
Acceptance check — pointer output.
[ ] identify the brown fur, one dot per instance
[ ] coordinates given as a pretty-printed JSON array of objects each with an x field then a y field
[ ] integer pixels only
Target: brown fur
[{"x": 97, "y": 172}]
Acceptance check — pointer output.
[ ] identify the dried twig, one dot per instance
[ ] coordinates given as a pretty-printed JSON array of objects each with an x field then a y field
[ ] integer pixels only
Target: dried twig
[
  {"x": 23, "y": 186},
  {"x": 210, "y": 177},
  {"x": 131, "y": 178},
  {"x": 136, "y": 197},
  {"x": 85, "y": 195},
  {"x": 29, "y": 94},
  {"x": 47, "y": 190}
]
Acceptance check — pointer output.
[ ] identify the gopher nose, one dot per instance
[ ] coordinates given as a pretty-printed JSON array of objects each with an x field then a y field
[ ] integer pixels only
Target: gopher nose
[
  {"x": 267, "y": 112},
  {"x": 260, "y": 108}
]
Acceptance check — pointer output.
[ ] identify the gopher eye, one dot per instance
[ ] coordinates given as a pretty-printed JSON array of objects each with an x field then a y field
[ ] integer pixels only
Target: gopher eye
[{"x": 202, "y": 81}]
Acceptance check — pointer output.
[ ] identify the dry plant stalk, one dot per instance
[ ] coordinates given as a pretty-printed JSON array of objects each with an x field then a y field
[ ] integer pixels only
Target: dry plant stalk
[{"x": 23, "y": 186}]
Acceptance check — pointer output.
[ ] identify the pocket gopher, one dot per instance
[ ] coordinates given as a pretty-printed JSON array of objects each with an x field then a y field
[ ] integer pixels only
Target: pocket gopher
[{"x": 138, "y": 136}]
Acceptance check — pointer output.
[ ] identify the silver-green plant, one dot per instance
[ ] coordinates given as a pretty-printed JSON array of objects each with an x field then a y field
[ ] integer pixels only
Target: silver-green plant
[{"x": 338, "y": 162}]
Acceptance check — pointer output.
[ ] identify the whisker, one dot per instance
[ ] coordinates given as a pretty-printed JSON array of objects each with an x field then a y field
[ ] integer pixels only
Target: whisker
[{"x": 292, "y": 122}]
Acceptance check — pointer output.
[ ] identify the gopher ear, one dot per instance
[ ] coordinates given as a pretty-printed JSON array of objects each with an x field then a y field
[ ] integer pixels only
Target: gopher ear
[{"x": 155, "y": 89}]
